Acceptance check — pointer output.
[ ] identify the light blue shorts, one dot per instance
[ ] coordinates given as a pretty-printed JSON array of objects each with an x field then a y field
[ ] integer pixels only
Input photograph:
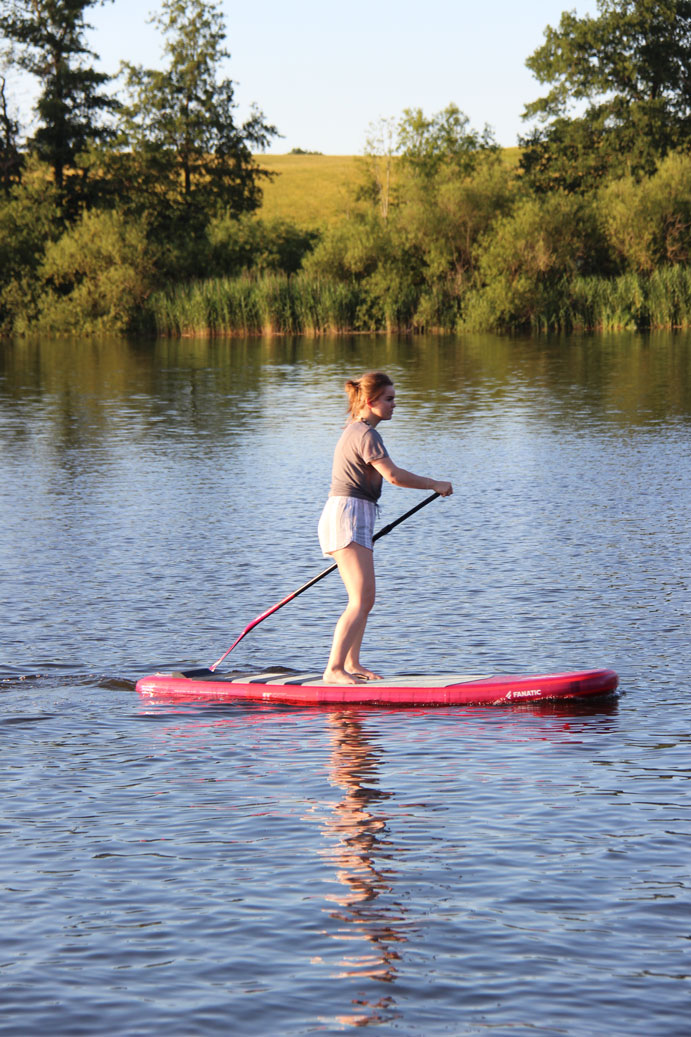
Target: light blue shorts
[{"x": 346, "y": 520}]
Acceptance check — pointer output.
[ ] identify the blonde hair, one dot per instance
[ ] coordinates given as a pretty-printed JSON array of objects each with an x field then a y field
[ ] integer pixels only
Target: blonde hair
[{"x": 368, "y": 387}]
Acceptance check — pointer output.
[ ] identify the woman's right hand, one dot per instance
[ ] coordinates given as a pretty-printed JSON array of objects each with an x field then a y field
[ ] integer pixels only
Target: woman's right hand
[{"x": 444, "y": 489}]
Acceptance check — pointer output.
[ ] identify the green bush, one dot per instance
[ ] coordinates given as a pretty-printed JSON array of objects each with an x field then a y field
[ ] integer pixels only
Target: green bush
[
  {"x": 647, "y": 223},
  {"x": 525, "y": 262},
  {"x": 249, "y": 243},
  {"x": 29, "y": 221},
  {"x": 97, "y": 277}
]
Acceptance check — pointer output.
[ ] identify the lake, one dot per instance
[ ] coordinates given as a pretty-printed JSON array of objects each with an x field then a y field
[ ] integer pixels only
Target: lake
[{"x": 254, "y": 870}]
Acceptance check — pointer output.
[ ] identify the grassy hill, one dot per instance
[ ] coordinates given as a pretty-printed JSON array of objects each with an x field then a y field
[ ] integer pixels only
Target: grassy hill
[
  {"x": 314, "y": 189},
  {"x": 309, "y": 189}
]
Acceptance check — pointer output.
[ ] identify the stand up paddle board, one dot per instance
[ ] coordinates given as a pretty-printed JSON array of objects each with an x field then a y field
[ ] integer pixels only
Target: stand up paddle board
[{"x": 290, "y": 686}]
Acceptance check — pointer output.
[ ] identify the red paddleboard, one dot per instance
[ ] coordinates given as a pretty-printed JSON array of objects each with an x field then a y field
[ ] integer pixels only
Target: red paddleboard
[{"x": 289, "y": 686}]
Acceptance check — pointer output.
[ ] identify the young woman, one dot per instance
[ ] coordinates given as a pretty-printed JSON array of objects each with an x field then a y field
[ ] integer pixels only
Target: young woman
[{"x": 361, "y": 462}]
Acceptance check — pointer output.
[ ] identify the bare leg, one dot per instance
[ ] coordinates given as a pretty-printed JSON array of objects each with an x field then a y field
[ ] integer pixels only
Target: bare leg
[{"x": 356, "y": 566}]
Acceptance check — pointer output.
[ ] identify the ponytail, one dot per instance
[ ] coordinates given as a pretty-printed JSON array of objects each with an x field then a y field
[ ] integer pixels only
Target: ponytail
[{"x": 360, "y": 390}]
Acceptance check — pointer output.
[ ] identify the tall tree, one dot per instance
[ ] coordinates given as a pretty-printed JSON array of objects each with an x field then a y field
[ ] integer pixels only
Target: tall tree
[
  {"x": 48, "y": 42},
  {"x": 620, "y": 93},
  {"x": 10, "y": 158},
  {"x": 178, "y": 121}
]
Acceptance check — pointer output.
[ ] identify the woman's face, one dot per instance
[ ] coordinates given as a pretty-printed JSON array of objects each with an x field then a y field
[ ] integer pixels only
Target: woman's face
[{"x": 383, "y": 406}]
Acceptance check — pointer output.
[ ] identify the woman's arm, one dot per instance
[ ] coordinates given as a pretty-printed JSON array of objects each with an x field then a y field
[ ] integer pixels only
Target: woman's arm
[{"x": 399, "y": 477}]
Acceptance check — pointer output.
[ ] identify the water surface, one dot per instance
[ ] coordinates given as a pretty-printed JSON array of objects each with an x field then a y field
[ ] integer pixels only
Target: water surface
[{"x": 253, "y": 870}]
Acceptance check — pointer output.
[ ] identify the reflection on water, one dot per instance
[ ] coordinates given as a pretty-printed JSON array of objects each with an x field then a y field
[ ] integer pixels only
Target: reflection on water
[
  {"x": 629, "y": 378},
  {"x": 356, "y": 831}
]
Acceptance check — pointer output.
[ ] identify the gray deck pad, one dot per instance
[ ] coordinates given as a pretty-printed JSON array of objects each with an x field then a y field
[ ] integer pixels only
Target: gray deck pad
[{"x": 412, "y": 680}]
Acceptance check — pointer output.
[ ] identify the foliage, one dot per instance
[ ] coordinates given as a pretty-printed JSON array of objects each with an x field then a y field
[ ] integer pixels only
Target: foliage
[
  {"x": 423, "y": 150},
  {"x": 49, "y": 40},
  {"x": 262, "y": 245},
  {"x": 444, "y": 232},
  {"x": 411, "y": 248},
  {"x": 648, "y": 223},
  {"x": 369, "y": 251},
  {"x": 634, "y": 302},
  {"x": 442, "y": 141},
  {"x": 630, "y": 67},
  {"x": 381, "y": 147},
  {"x": 527, "y": 258},
  {"x": 97, "y": 277},
  {"x": 190, "y": 158},
  {"x": 11, "y": 161},
  {"x": 28, "y": 223}
]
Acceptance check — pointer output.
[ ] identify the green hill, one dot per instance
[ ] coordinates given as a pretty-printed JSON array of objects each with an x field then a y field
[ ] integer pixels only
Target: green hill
[
  {"x": 309, "y": 189},
  {"x": 314, "y": 189}
]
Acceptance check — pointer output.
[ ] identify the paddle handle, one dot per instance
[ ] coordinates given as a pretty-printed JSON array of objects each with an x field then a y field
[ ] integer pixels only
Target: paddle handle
[
  {"x": 392, "y": 525},
  {"x": 320, "y": 576}
]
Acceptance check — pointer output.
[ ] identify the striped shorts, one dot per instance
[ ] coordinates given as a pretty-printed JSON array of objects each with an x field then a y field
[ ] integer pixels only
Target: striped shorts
[{"x": 346, "y": 520}]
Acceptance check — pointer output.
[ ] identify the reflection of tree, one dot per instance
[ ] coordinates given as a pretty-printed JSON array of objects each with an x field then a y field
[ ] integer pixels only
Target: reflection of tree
[{"x": 359, "y": 843}]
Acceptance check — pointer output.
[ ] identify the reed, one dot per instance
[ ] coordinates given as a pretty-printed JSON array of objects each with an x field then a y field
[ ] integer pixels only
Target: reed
[
  {"x": 269, "y": 304},
  {"x": 305, "y": 304},
  {"x": 661, "y": 300}
]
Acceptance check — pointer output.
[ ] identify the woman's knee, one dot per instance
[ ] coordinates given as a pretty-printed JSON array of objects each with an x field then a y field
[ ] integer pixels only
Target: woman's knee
[{"x": 363, "y": 600}]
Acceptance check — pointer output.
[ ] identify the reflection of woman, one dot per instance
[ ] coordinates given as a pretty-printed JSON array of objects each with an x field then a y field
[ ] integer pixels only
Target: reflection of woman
[
  {"x": 360, "y": 463},
  {"x": 360, "y": 843}
]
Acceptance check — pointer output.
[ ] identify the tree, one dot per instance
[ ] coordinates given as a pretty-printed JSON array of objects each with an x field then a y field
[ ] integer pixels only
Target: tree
[
  {"x": 48, "y": 38},
  {"x": 443, "y": 141},
  {"x": 620, "y": 95},
  {"x": 10, "y": 158},
  {"x": 192, "y": 159},
  {"x": 381, "y": 146},
  {"x": 433, "y": 186}
]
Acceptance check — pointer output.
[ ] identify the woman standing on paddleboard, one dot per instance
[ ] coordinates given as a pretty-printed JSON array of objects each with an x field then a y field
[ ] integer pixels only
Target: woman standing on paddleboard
[{"x": 361, "y": 462}]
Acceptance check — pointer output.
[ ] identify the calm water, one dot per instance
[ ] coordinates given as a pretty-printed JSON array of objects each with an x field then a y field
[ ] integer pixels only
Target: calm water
[{"x": 254, "y": 870}]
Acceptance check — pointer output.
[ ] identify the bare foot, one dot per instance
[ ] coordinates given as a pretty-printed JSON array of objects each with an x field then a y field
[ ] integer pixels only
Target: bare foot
[
  {"x": 336, "y": 676},
  {"x": 367, "y": 675}
]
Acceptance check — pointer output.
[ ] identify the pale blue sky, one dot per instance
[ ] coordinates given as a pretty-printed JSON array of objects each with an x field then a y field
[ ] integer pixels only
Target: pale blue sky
[{"x": 323, "y": 72}]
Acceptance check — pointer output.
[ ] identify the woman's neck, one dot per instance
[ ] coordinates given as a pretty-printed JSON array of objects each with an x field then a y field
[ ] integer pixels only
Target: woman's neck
[{"x": 369, "y": 419}]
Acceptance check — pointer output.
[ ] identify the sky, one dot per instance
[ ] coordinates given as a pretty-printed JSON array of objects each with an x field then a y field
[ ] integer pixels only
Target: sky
[{"x": 322, "y": 73}]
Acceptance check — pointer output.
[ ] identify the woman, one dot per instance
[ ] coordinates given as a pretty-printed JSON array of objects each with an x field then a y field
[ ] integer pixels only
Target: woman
[{"x": 361, "y": 462}]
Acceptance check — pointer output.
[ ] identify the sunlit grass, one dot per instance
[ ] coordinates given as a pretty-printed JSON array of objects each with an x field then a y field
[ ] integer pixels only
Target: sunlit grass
[{"x": 311, "y": 190}]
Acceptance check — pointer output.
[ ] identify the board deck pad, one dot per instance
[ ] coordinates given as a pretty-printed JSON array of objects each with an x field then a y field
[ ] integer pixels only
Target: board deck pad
[{"x": 280, "y": 684}]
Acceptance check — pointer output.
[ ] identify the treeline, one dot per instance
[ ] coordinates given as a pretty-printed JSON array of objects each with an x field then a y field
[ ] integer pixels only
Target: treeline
[{"x": 141, "y": 216}]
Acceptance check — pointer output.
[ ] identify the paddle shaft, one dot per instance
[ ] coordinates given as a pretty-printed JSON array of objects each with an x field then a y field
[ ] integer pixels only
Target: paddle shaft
[{"x": 315, "y": 579}]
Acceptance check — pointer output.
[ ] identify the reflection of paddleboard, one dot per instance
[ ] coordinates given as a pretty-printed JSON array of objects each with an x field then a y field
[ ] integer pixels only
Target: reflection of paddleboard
[{"x": 282, "y": 685}]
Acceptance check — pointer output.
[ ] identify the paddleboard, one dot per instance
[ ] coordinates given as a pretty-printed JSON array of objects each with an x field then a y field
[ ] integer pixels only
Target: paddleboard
[{"x": 290, "y": 686}]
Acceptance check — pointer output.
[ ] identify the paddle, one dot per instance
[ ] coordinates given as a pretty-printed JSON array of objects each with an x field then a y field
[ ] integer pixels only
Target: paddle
[{"x": 315, "y": 579}]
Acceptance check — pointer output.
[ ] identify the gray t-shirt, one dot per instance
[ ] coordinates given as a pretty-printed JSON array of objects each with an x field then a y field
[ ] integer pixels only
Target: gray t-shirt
[{"x": 352, "y": 474}]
